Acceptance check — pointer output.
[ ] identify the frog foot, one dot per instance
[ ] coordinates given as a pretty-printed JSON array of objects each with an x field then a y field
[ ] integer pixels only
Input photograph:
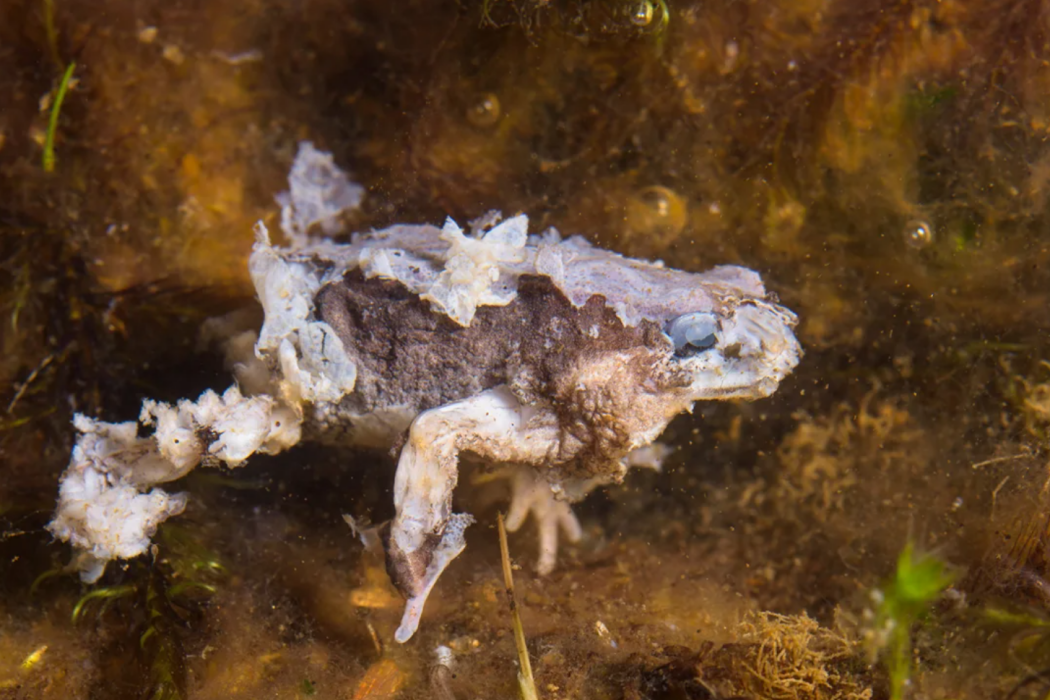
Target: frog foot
[
  {"x": 415, "y": 573},
  {"x": 532, "y": 495}
]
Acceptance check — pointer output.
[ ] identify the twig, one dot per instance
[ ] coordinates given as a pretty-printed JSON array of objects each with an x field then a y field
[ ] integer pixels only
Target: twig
[
  {"x": 375, "y": 639},
  {"x": 996, "y": 460},
  {"x": 29, "y": 380},
  {"x": 525, "y": 681}
]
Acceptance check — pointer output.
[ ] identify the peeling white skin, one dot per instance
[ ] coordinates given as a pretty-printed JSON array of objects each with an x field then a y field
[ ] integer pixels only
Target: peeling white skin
[
  {"x": 319, "y": 192},
  {"x": 108, "y": 507},
  {"x": 296, "y": 371},
  {"x": 473, "y": 269},
  {"x": 457, "y": 273}
]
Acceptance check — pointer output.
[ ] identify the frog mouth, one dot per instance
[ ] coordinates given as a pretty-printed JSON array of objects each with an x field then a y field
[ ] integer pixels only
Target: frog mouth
[{"x": 753, "y": 349}]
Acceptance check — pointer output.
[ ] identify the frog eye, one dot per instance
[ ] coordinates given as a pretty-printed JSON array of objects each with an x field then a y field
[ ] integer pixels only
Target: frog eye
[{"x": 693, "y": 333}]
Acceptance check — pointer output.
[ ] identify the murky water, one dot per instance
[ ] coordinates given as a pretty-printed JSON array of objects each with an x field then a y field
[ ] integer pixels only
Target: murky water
[{"x": 879, "y": 526}]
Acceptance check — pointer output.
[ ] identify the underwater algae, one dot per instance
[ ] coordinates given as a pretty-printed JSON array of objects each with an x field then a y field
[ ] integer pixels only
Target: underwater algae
[{"x": 882, "y": 164}]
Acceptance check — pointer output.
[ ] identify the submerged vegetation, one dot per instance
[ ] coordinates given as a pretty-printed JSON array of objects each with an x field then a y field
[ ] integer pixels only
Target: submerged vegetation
[
  {"x": 884, "y": 165},
  {"x": 526, "y": 683},
  {"x": 52, "y": 122},
  {"x": 918, "y": 581}
]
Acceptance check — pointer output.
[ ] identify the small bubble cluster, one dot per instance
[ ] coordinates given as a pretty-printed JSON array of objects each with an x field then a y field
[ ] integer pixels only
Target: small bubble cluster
[
  {"x": 918, "y": 234},
  {"x": 642, "y": 13},
  {"x": 485, "y": 112}
]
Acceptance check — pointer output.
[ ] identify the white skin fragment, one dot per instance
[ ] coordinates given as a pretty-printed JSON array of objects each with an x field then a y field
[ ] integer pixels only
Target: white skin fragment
[
  {"x": 108, "y": 506},
  {"x": 473, "y": 269},
  {"x": 314, "y": 363},
  {"x": 318, "y": 193}
]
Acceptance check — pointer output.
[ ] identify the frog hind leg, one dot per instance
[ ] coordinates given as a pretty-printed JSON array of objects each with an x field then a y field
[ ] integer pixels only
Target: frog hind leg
[{"x": 425, "y": 536}]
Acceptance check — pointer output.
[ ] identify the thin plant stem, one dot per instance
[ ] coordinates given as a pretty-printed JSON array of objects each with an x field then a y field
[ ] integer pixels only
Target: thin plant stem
[
  {"x": 52, "y": 124},
  {"x": 526, "y": 683}
]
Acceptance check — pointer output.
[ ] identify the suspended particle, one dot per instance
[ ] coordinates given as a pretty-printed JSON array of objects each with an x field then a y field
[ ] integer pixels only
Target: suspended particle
[
  {"x": 642, "y": 13},
  {"x": 485, "y": 112},
  {"x": 918, "y": 234}
]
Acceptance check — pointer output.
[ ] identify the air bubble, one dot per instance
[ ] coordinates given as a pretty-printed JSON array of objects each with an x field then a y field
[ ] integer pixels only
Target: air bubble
[
  {"x": 642, "y": 14},
  {"x": 918, "y": 234},
  {"x": 659, "y": 200},
  {"x": 485, "y": 112},
  {"x": 655, "y": 215}
]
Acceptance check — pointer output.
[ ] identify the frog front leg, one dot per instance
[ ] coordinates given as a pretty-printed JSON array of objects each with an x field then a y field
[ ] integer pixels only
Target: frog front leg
[
  {"x": 532, "y": 494},
  {"x": 425, "y": 536}
]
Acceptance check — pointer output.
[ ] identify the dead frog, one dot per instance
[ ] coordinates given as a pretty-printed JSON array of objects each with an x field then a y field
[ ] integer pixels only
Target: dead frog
[{"x": 556, "y": 359}]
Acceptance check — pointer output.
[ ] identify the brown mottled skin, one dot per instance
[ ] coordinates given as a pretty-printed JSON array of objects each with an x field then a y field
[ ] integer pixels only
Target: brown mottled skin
[{"x": 538, "y": 345}]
